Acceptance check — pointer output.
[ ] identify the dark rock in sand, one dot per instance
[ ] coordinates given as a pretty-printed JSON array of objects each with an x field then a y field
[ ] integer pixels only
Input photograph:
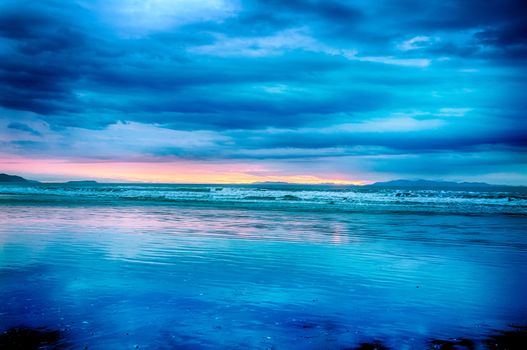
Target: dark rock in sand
[
  {"x": 28, "y": 339},
  {"x": 370, "y": 346},
  {"x": 508, "y": 340}
]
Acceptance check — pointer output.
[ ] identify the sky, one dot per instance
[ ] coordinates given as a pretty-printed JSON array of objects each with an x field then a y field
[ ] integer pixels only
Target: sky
[{"x": 221, "y": 91}]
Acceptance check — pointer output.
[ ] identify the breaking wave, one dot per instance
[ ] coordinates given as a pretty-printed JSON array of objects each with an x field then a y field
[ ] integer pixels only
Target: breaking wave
[{"x": 295, "y": 196}]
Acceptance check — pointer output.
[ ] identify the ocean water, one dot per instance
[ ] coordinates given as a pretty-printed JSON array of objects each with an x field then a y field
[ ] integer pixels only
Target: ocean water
[{"x": 115, "y": 266}]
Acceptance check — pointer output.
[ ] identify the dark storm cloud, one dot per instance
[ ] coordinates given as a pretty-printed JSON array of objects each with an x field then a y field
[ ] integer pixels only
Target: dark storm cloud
[
  {"x": 496, "y": 28},
  {"x": 276, "y": 14},
  {"x": 39, "y": 63},
  {"x": 336, "y": 12},
  {"x": 453, "y": 14},
  {"x": 269, "y": 73},
  {"x": 23, "y": 127},
  {"x": 441, "y": 165},
  {"x": 416, "y": 142}
]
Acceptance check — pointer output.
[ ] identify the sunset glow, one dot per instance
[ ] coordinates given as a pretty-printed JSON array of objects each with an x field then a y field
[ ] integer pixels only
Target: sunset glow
[{"x": 173, "y": 172}]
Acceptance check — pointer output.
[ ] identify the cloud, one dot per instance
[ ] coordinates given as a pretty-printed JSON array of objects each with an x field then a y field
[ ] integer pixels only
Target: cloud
[
  {"x": 415, "y": 43},
  {"x": 264, "y": 81},
  {"x": 23, "y": 127},
  {"x": 405, "y": 62},
  {"x": 272, "y": 45},
  {"x": 132, "y": 17},
  {"x": 453, "y": 112},
  {"x": 293, "y": 39}
]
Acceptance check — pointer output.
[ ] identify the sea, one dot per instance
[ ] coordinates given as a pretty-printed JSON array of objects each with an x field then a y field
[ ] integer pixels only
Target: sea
[{"x": 263, "y": 266}]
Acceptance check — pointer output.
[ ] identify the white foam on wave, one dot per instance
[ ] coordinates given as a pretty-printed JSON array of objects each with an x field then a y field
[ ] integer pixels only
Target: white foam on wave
[{"x": 347, "y": 198}]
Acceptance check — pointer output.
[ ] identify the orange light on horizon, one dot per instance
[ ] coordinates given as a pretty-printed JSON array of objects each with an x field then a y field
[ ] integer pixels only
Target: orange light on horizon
[{"x": 183, "y": 171}]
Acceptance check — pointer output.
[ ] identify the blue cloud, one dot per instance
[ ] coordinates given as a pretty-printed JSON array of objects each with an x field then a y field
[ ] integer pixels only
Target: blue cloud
[
  {"x": 298, "y": 79},
  {"x": 23, "y": 127}
]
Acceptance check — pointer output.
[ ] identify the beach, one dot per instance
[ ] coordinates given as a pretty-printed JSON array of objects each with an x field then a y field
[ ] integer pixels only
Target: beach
[{"x": 258, "y": 267}]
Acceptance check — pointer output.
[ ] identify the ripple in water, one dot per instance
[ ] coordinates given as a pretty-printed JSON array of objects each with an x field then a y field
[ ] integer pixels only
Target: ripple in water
[{"x": 163, "y": 277}]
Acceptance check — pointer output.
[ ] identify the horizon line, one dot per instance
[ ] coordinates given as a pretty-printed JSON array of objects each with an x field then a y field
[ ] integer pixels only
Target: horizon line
[{"x": 277, "y": 183}]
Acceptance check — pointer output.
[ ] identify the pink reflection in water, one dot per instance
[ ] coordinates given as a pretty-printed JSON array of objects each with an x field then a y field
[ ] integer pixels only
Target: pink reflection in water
[{"x": 174, "y": 221}]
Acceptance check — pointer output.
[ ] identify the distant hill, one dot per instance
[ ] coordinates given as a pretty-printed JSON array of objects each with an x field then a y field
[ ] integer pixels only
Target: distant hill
[
  {"x": 432, "y": 184},
  {"x": 13, "y": 179}
]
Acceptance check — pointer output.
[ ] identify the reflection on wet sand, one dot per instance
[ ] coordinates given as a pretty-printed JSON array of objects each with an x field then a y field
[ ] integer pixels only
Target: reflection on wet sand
[
  {"x": 25, "y": 338},
  {"x": 163, "y": 277}
]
